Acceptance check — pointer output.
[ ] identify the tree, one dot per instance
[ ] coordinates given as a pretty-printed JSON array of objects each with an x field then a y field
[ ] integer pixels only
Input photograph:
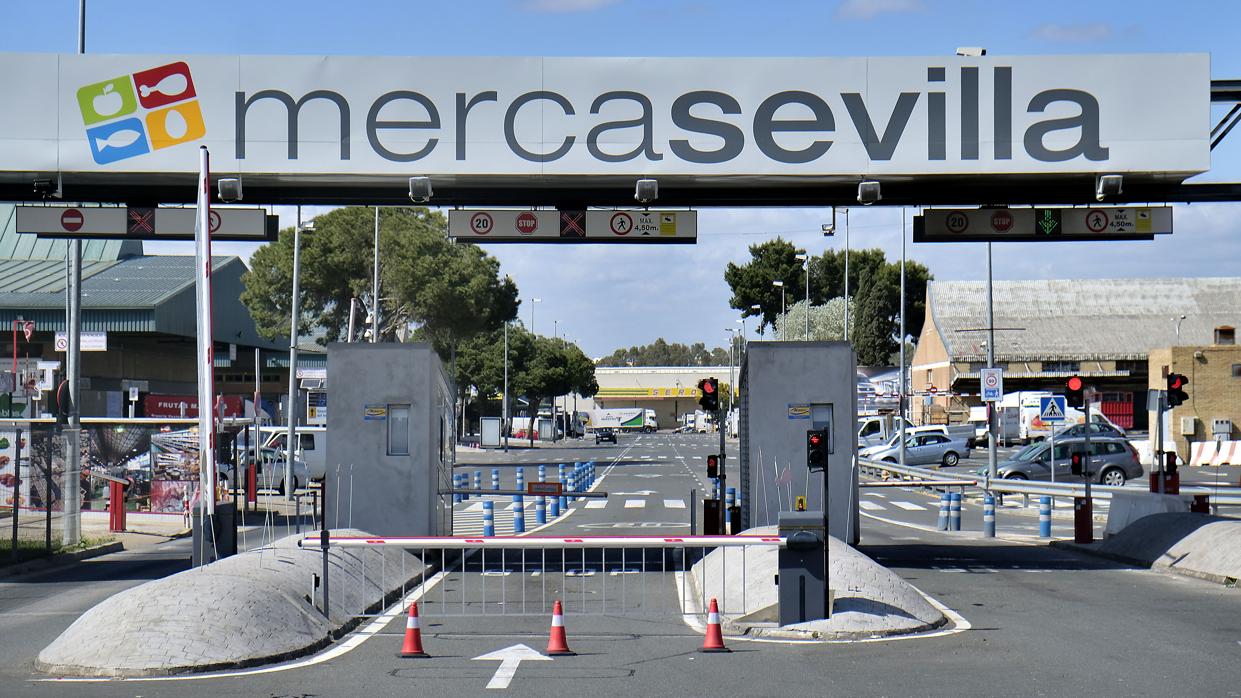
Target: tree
[
  {"x": 827, "y": 321},
  {"x": 751, "y": 283},
  {"x": 872, "y": 328},
  {"x": 661, "y": 353},
  {"x": 555, "y": 367},
  {"x": 453, "y": 291}
]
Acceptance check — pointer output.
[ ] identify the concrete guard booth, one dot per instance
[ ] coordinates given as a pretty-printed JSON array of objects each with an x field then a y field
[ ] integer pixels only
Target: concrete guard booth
[
  {"x": 390, "y": 448},
  {"x": 788, "y": 388}
]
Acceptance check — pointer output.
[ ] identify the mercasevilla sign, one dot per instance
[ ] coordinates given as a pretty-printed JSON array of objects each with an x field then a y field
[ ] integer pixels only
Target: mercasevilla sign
[{"x": 487, "y": 117}]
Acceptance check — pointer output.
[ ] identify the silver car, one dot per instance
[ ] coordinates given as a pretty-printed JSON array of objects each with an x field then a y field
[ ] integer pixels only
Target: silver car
[
  {"x": 926, "y": 448},
  {"x": 1113, "y": 461}
]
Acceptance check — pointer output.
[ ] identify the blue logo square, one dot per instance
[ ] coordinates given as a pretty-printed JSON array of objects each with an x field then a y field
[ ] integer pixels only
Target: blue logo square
[{"x": 118, "y": 140}]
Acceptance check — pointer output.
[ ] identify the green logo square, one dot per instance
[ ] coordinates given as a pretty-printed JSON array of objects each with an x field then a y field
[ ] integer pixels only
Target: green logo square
[{"x": 107, "y": 100}]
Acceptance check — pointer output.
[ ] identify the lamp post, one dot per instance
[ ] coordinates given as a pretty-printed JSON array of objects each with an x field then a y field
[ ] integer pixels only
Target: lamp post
[
  {"x": 784, "y": 330},
  {"x": 846, "y": 273},
  {"x": 532, "y": 302},
  {"x": 757, "y": 309},
  {"x": 732, "y": 346},
  {"x": 805, "y": 259},
  {"x": 1178, "y": 328},
  {"x": 504, "y": 409},
  {"x": 375, "y": 284},
  {"x": 291, "y": 413}
]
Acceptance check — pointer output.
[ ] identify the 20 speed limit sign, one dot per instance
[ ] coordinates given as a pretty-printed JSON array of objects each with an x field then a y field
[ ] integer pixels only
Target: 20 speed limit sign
[{"x": 481, "y": 223}]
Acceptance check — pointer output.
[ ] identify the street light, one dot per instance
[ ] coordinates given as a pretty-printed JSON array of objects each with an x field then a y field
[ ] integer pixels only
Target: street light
[
  {"x": 784, "y": 330},
  {"x": 732, "y": 346},
  {"x": 805, "y": 259},
  {"x": 1178, "y": 327},
  {"x": 291, "y": 412},
  {"x": 758, "y": 310},
  {"x": 532, "y": 302}
]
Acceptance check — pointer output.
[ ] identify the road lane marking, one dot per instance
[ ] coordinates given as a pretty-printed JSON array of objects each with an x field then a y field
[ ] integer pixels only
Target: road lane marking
[
  {"x": 871, "y": 506},
  {"x": 674, "y": 503},
  {"x": 635, "y": 503},
  {"x": 596, "y": 504},
  {"x": 910, "y": 506}
]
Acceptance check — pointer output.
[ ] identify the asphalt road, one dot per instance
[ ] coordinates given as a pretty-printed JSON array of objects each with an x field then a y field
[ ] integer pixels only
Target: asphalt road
[{"x": 1044, "y": 621}]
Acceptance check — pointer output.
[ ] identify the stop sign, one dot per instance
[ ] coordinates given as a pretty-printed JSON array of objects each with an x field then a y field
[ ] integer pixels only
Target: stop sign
[
  {"x": 527, "y": 223},
  {"x": 1002, "y": 221}
]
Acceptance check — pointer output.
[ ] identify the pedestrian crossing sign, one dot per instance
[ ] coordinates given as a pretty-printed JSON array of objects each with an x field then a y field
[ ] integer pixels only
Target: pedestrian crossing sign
[{"x": 1051, "y": 409}]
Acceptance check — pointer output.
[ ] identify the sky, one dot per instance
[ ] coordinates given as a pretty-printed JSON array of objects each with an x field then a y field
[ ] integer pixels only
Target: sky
[{"x": 609, "y": 296}]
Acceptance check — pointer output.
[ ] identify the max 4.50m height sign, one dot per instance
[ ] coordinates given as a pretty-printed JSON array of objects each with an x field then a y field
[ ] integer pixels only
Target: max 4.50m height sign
[{"x": 594, "y": 123}]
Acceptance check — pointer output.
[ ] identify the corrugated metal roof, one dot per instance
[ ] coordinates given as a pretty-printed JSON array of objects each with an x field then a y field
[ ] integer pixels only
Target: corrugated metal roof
[
  {"x": 1081, "y": 319},
  {"x": 135, "y": 282},
  {"x": 14, "y": 245}
]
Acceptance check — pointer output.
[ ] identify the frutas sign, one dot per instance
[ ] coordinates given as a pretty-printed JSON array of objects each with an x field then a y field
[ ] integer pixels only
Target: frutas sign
[{"x": 606, "y": 116}]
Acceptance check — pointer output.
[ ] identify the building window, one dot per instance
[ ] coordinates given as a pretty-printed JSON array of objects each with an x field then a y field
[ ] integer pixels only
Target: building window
[
  {"x": 1061, "y": 367},
  {"x": 1131, "y": 366},
  {"x": 1225, "y": 335},
  {"x": 398, "y": 430},
  {"x": 1236, "y": 370}
]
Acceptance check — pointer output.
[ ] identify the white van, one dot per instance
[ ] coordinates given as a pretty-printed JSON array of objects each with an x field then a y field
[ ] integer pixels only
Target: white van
[{"x": 311, "y": 447}]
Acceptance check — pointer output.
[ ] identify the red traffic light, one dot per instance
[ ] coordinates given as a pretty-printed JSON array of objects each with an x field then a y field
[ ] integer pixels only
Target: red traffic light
[
  {"x": 1176, "y": 381},
  {"x": 1075, "y": 383},
  {"x": 816, "y": 439},
  {"x": 708, "y": 387},
  {"x": 713, "y": 460}
]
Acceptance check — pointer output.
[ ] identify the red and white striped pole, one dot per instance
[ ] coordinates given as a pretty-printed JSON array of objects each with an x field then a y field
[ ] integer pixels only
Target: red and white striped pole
[{"x": 206, "y": 358}]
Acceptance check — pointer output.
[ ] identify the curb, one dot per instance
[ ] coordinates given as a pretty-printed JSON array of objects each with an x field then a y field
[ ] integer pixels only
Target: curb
[
  {"x": 59, "y": 561},
  {"x": 1219, "y": 579}
]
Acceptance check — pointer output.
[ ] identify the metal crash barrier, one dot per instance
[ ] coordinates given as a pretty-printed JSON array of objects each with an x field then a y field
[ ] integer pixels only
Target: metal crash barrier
[{"x": 593, "y": 575}]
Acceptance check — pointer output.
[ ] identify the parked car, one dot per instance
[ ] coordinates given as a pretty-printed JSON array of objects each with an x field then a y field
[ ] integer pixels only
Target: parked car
[
  {"x": 604, "y": 434},
  {"x": 1097, "y": 429},
  {"x": 1113, "y": 461},
  {"x": 270, "y": 474},
  {"x": 922, "y": 447}
]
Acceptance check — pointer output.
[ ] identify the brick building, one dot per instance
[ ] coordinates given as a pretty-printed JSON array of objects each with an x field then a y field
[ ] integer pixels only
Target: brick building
[
  {"x": 1214, "y": 373},
  {"x": 1045, "y": 331}
]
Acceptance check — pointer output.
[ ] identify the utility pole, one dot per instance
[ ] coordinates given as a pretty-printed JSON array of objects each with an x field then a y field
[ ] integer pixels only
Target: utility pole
[
  {"x": 375, "y": 313},
  {"x": 291, "y": 412},
  {"x": 504, "y": 410},
  {"x": 991, "y": 435},
  {"x": 72, "y": 533},
  {"x": 901, "y": 392}
]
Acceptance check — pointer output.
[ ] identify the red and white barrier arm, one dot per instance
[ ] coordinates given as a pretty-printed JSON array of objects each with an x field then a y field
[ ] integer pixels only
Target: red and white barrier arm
[{"x": 537, "y": 542}]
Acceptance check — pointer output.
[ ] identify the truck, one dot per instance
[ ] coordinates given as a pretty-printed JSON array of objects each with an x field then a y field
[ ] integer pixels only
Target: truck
[
  {"x": 1007, "y": 423},
  {"x": 623, "y": 419},
  {"x": 1032, "y": 428},
  {"x": 878, "y": 429}
]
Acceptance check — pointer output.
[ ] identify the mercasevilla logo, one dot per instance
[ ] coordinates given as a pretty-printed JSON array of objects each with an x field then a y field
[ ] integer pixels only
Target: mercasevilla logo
[
  {"x": 132, "y": 115},
  {"x": 1065, "y": 124}
]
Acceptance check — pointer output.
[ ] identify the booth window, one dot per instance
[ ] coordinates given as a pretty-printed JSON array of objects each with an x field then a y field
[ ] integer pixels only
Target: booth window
[{"x": 398, "y": 430}]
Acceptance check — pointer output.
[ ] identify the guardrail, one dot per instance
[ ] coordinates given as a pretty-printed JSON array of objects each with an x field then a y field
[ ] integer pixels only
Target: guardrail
[{"x": 1222, "y": 496}]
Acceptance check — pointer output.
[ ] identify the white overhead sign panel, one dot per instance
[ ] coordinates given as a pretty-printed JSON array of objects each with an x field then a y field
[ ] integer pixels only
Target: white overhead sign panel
[
  {"x": 512, "y": 225},
  {"x": 1042, "y": 224},
  {"x": 142, "y": 222},
  {"x": 479, "y": 117}
]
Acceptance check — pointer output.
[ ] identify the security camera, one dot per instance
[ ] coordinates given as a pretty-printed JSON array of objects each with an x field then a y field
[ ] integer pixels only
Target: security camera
[
  {"x": 420, "y": 189},
  {"x": 972, "y": 51},
  {"x": 44, "y": 187},
  {"x": 868, "y": 192},
  {"x": 646, "y": 191},
  {"x": 1107, "y": 186},
  {"x": 230, "y": 189}
]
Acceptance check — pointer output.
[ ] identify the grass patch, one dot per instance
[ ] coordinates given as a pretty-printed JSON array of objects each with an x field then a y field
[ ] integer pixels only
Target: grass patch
[{"x": 34, "y": 549}]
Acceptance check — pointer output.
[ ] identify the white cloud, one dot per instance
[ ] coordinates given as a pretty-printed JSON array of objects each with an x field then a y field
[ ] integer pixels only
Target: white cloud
[
  {"x": 1074, "y": 33},
  {"x": 560, "y": 6},
  {"x": 869, "y": 9}
]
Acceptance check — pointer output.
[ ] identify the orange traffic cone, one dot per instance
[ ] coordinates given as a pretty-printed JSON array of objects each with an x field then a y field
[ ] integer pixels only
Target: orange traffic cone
[
  {"x": 714, "y": 641},
  {"x": 557, "y": 643},
  {"x": 413, "y": 635}
]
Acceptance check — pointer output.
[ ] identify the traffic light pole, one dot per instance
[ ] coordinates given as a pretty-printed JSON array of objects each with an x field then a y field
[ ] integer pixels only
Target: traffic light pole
[{"x": 719, "y": 421}]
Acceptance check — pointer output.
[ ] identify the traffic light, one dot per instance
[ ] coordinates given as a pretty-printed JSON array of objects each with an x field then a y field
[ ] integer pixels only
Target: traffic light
[
  {"x": 1074, "y": 392},
  {"x": 1075, "y": 463},
  {"x": 713, "y": 466},
  {"x": 816, "y": 449},
  {"x": 62, "y": 404},
  {"x": 1176, "y": 389},
  {"x": 710, "y": 399}
]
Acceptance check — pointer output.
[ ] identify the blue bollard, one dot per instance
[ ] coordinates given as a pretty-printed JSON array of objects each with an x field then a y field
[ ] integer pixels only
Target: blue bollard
[
  {"x": 572, "y": 486},
  {"x": 456, "y": 485},
  {"x": 495, "y": 478},
  {"x": 540, "y": 510},
  {"x": 478, "y": 479},
  {"x": 943, "y": 511},
  {"x": 521, "y": 484},
  {"x": 542, "y": 473},
  {"x": 519, "y": 514},
  {"x": 954, "y": 511},
  {"x": 1044, "y": 517},
  {"x": 555, "y": 513},
  {"x": 563, "y": 500},
  {"x": 988, "y": 516},
  {"x": 489, "y": 518},
  {"x": 729, "y": 496}
]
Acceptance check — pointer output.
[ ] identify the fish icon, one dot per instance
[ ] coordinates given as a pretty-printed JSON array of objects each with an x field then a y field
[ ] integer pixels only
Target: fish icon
[{"x": 117, "y": 139}]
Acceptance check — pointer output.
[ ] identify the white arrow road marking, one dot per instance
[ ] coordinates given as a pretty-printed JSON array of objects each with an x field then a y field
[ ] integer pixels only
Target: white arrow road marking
[
  {"x": 640, "y": 493},
  {"x": 509, "y": 658}
]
